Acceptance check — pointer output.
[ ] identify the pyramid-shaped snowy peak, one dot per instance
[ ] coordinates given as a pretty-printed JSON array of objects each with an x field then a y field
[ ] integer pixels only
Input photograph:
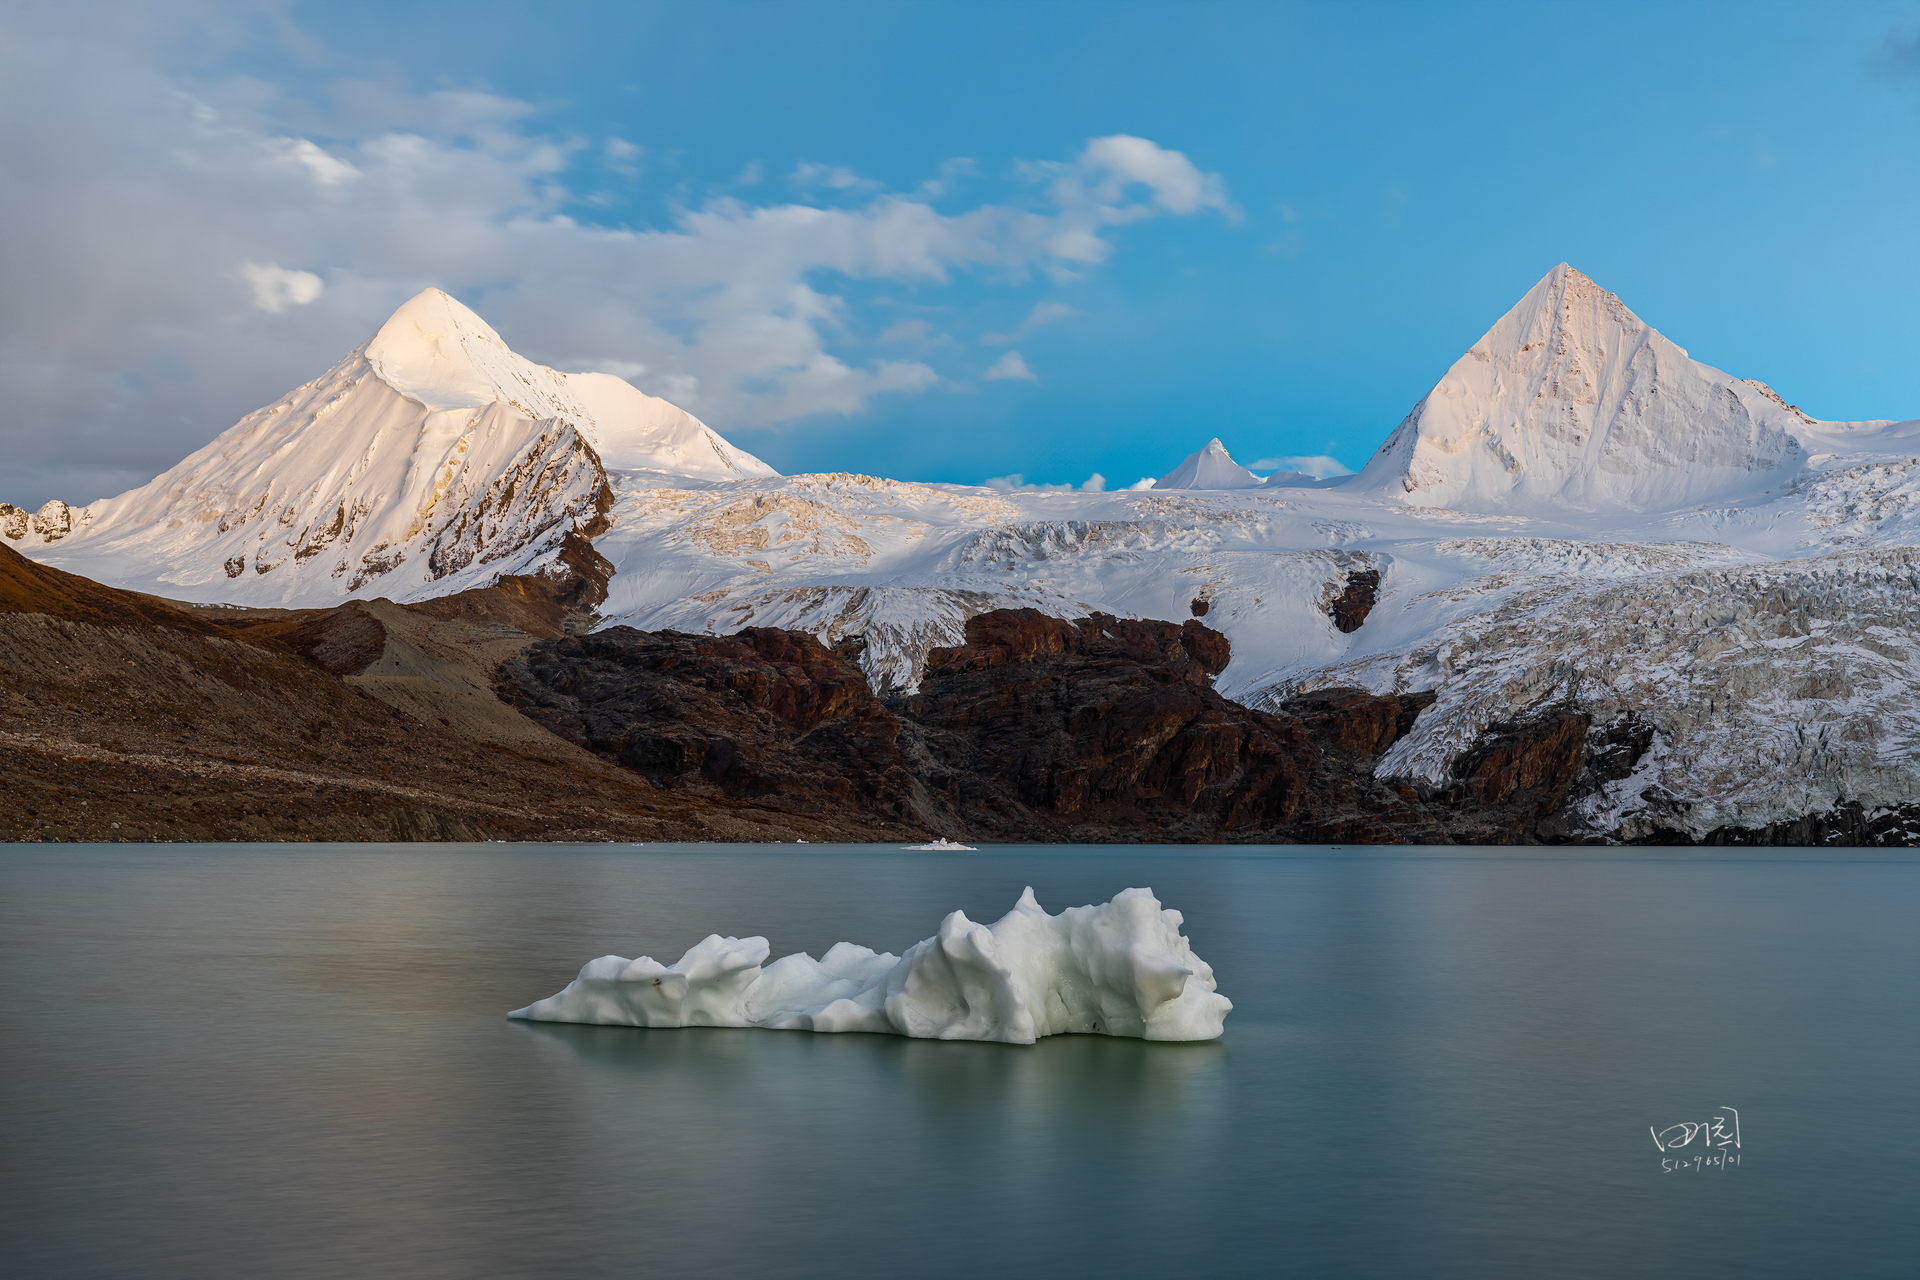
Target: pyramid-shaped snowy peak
[
  {"x": 430, "y": 459},
  {"x": 1210, "y": 468},
  {"x": 1571, "y": 400}
]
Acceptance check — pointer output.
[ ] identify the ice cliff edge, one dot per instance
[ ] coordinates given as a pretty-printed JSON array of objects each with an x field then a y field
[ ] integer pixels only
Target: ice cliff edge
[{"x": 1119, "y": 968}]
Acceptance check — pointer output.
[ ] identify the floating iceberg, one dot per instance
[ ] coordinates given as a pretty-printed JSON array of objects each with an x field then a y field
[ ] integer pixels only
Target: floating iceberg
[{"x": 1117, "y": 969}]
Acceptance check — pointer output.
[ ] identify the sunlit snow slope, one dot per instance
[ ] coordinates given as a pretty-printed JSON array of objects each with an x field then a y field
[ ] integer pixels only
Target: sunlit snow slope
[
  {"x": 1578, "y": 515},
  {"x": 430, "y": 459},
  {"x": 1572, "y": 400}
]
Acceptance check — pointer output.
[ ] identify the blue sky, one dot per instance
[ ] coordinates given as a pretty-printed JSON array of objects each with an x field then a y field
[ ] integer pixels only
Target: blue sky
[{"x": 212, "y": 202}]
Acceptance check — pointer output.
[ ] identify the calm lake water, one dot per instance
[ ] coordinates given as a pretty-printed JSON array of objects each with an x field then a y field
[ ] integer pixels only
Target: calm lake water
[{"x": 234, "y": 1060}]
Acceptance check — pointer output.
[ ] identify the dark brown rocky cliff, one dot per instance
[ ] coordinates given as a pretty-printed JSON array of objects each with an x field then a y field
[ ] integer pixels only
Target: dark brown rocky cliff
[
  {"x": 762, "y": 714},
  {"x": 1036, "y": 728}
]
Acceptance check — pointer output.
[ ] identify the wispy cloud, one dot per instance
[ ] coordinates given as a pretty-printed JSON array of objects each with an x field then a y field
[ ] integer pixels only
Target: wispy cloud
[
  {"x": 623, "y": 157},
  {"x": 831, "y": 176},
  {"x": 1010, "y": 367},
  {"x": 951, "y": 172},
  {"x": 275, "y": 288},
  {"x": 1042, "y": 313},
  {"x": 1017, "y": 483},
  {"x": 1319, "y": 466}
]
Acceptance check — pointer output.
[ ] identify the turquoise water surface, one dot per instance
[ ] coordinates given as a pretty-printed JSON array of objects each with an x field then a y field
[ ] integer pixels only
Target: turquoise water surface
[{"x": 270, "y": 1060}]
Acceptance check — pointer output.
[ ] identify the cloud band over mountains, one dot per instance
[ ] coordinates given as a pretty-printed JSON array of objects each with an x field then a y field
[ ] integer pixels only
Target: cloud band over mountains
[{"x": 183, "y": 248}]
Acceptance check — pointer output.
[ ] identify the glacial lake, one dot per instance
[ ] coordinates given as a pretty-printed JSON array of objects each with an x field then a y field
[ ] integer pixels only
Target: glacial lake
[{"x": 289, "y": 1061}]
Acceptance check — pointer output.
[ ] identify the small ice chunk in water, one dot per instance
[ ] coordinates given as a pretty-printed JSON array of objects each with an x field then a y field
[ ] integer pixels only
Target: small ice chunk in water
[
  {"x": 1120, "y": 968},
  {"x": 941, "y": 845}
]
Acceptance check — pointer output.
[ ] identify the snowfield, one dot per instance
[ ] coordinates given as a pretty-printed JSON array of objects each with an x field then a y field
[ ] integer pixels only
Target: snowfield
[{"x": 1577, "y": 516}]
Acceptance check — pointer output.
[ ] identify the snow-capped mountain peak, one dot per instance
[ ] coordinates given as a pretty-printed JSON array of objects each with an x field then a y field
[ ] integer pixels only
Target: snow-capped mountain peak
[
  {"x": 1571, "y": 399},
  {"x": 438, "y": 352},
  {"x": 431, "y": 458},
  {"x": 1209, "y": 468}
]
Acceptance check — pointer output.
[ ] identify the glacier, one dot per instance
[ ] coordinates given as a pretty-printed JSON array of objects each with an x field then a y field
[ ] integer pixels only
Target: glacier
[
  {"x": 1119, "y": 968},
  {"x": 1578, "y": 516}
]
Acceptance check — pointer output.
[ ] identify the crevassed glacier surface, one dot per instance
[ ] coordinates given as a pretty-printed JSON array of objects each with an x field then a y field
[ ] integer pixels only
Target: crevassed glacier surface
[{"x": 1119, "y": 968}]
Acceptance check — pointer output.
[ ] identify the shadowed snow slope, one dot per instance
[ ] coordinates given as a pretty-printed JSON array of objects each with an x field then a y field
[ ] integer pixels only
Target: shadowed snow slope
[
  {"x": 429, "y": 460},
  {"x": 1117, "y": 969}
]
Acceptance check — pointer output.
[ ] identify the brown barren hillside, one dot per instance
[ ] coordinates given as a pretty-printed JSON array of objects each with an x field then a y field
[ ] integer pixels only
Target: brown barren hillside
[{"x": 125, "y": 717}]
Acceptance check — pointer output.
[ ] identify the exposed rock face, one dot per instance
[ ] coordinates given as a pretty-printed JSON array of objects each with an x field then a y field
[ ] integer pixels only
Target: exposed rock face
[
  {"x": 52, "y": 522},
  {"x": 1355, "y": 721},
  {"x": 760, "y": 714},
  {"x": 1350, "y": 609},
  {"x": 1036, "y": 728},
  {"x": 1844, "y": 825}
]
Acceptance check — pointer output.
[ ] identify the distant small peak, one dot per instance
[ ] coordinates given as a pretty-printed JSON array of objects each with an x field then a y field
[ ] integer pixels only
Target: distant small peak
[{"x": 1210, "y": 467}]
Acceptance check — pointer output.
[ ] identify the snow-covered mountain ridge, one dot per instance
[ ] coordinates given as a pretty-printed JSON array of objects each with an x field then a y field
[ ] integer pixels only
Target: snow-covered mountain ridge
[
  {"x": 1578, "y": 516},
  {"x": 428, "y": 460}
]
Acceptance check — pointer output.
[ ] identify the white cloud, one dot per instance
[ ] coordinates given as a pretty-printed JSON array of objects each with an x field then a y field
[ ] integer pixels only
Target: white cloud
[
  {"x": 1017, "y": 483},
  {"x": 1010, "y": 367},
  {"x": 325, "y": 169},
  {"x": 1099, "y": 184},
  {"x": 1319, "y": 466},
  {"x": 622, "y": 156},
  {"x": 1042, "y": 313},
  {"x": 148, "y": 215},
  {"x": 1048, "y": 312},
  {"x": 275, "y": 288},
  {"x": 951, "y": 172},
  {"x": 1144, "y": 482},
  {"x": 830, "y": 175}
]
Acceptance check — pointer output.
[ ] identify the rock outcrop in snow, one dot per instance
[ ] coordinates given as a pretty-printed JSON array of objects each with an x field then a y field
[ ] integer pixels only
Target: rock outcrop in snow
[
  {"x": 1120, "y": 968},
  {"x": 52, "y": 522}
]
